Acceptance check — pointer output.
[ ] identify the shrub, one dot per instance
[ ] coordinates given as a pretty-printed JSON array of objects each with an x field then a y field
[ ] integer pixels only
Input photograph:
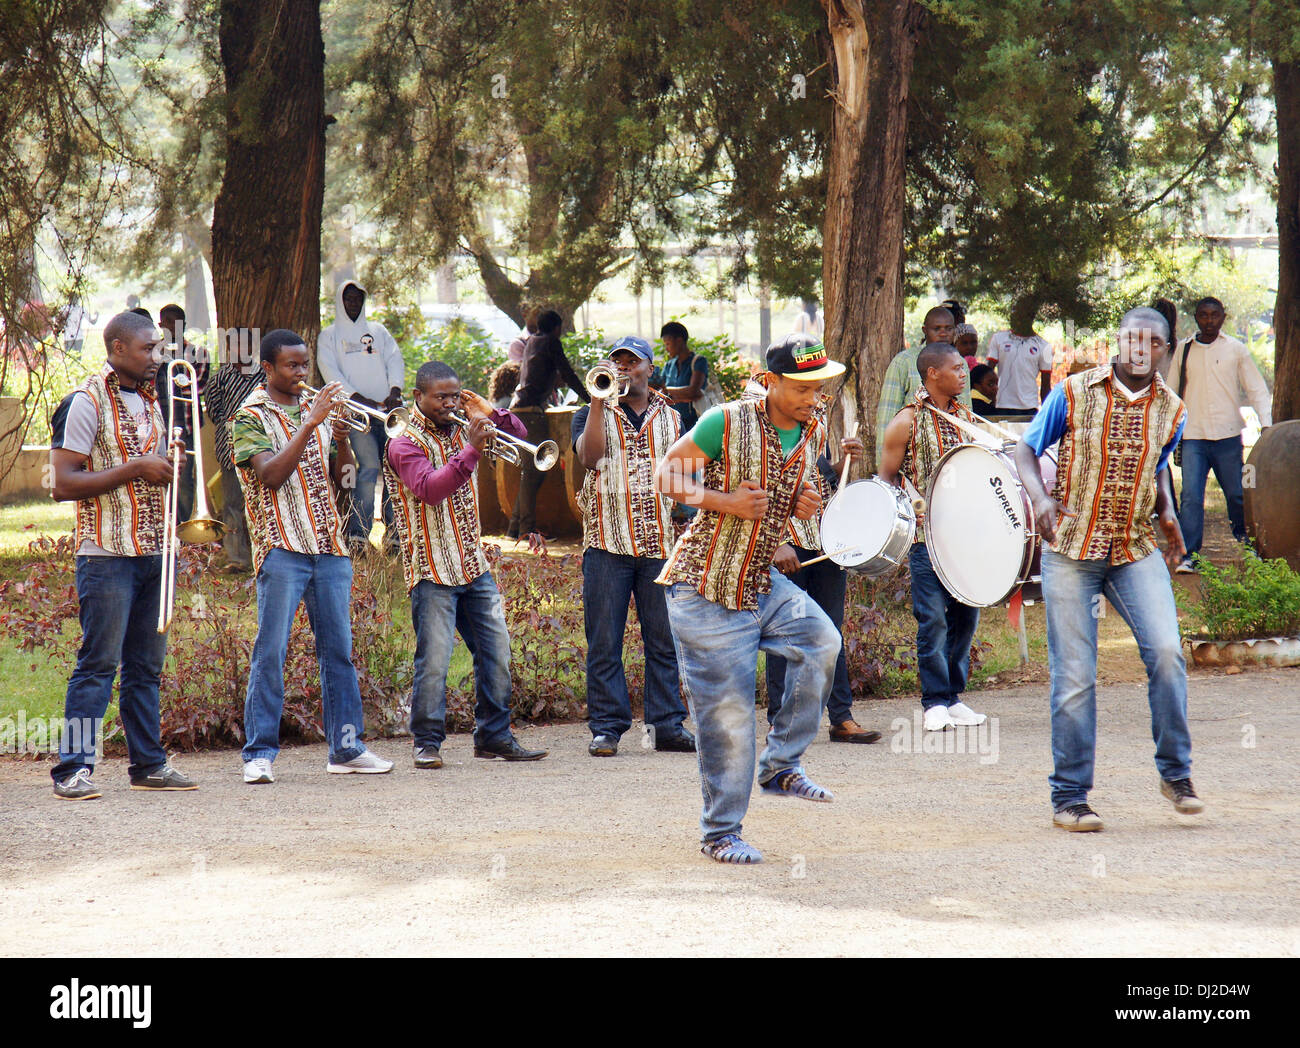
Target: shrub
[{"x": 1256, "y": 598}]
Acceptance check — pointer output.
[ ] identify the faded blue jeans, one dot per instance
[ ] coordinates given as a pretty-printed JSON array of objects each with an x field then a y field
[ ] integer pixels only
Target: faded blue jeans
[
  {"x": 474, "y": 611},
  {"x": 944, "y": 630},
  {"x": 1142, "y": 594},
  {"x": 368, "y": 450},
  {"x": 717, "y": 651},
  {"x": 118, "y": 600},
  {"x": 324, "y": 583}
]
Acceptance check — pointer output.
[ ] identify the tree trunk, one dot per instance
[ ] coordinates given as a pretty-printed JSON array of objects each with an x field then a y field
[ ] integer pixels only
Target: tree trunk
[
  {"x": 872, "y": 48},
  {"x": 1286, "y": 314},
  {"x": 266, "y": 222}
]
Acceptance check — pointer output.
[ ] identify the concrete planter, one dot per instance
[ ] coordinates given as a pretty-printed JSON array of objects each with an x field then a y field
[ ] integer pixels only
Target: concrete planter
[{"x": 1268, "y": 651}]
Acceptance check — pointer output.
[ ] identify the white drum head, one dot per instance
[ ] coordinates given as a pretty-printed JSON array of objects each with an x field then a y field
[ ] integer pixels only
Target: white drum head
[
  {"x": 975, "y": 526},
  {"x": 861, "y": 516}
]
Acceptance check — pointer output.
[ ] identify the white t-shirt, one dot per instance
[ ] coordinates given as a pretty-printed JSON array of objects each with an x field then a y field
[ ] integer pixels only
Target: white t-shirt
[
  {"x": 1019, "y": 360},
  {"x": 80, "y": 427}
]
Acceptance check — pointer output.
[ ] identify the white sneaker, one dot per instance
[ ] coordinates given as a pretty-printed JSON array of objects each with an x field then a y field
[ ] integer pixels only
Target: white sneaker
[
  {"x": 936, "y": 718},
  {"x": 366, "y": 764},
  {"x": 960, "y": 713},
  {"x": 1186, "y": 567},
  {"x": 258, "y": 770}
]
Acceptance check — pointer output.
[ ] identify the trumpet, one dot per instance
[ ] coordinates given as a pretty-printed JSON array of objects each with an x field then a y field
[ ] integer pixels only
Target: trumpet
[
  {"x": 506, "y": 447},
  {"x": 605, "y": 383},
  {"x": 357, "y": 416},
  {"x": 201, "y": 528}
]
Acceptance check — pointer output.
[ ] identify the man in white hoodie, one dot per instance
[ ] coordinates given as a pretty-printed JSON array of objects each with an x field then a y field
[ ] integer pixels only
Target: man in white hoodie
[{"x": 364, "y": 358}]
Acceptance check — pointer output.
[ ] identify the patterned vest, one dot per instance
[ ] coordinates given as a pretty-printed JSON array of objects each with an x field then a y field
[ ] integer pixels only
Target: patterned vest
[
  {"x": 441, "y": 543},
  {"x": 1107, "y": 467},
  {"x": 128, "y": 520},
  {"x": 301, "y": 516},
  {"x": 725, "y": 557},
  {"x": 932, "y": 438},
  {"x": 621, "y": 510}
]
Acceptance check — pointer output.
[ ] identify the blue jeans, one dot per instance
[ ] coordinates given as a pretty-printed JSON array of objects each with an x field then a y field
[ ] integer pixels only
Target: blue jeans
[
  {"x": 610, "y": 581},
  {"x": 368, "y": 450},
  {"x": 717, "y": 650},
  {"x": 118, "y": 598},
  {"x": 1142, "y": 594},
  {"x": 827, "y": 584},
  {"x": 944, "y": 630},
  {"x": 474, "y": 611},
  {"x": 324, "y": 583},
  {"x": 1199, "y": 457}
]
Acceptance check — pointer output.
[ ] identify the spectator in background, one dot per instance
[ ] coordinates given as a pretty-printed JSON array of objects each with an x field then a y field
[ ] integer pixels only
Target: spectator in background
[
  {"x": 1023, "y": 360},
  {"x": 967, "y": 341},
  {"x": 685, "y": 372},
  {"x": 362, "y": 356},
  {"x": 236, "y": 378},
  {"x": 957, "y": 310},
  {"x": 501, "y": 386},
  {"x": 983, "y": 388},
  {"x": 544, "y": 368},
  {"x": 1214, "y": 375},
  {"x": 74, "y": 326},
  {"x": 175, "y": 347},
  {"x": 902, "y": 381},
  {"x": 515, "y": 351},
  {"x": 809, "y": 321}
]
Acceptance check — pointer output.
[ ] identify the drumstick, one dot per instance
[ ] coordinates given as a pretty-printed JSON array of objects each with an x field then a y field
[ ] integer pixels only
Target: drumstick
[
  {"x": 848, "y": 458},
  {"x": 827, "y": 556}
]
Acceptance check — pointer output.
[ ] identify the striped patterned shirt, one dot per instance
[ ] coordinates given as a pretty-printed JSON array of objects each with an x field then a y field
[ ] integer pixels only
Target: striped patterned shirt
[
  {"x": 1111, "y": 448},
  {"x": 725, "y": 557},
  {"x": 621, "y": 510},
  {"x": 932, "y": 437},
  {"x": 301, "y": 515},
  {"x": 126, "y": 521}
]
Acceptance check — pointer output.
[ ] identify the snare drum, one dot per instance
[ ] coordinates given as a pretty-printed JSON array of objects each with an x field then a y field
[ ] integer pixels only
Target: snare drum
[
  {"x": 872, "y": 522},
  {"x": 980, "y": 529}
]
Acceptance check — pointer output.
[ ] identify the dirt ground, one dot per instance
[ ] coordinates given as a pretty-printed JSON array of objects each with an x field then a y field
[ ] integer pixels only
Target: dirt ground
[{"x": 920, "y": 854}]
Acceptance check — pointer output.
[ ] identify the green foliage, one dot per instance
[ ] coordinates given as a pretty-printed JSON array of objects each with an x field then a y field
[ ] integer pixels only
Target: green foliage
[{"x": 1254, "y": 599}]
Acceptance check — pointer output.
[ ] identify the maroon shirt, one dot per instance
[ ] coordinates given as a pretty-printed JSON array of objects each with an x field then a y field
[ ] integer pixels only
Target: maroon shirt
[{"x": 431, "y": 485}]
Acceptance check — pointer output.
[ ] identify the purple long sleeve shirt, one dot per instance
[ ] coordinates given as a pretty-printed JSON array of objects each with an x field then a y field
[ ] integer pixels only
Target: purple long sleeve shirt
[{"x": 432, "y": 484}]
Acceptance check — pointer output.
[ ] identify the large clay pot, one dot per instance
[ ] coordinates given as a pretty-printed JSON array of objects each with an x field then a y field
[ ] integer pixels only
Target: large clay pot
[
  {"x": 1272, "y": 489},
  {"x": 557, "y": 507}
]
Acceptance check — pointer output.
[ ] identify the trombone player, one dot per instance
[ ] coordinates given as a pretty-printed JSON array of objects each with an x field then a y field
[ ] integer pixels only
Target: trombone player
[
  {"x": 116, "y": 462},
  {"x": 429, "y": 473}
]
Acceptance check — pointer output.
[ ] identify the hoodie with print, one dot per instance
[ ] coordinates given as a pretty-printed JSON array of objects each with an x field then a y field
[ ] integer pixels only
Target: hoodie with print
[{"x": 359, "y": 353}]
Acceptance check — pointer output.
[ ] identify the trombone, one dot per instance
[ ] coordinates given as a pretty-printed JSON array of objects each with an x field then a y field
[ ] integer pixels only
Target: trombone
[
  {"x": 357, "y": 416},
  {"x": 604, "y": 382},
  {"x": 506, "y": 447},
  {"x": 202, "y": 528}
]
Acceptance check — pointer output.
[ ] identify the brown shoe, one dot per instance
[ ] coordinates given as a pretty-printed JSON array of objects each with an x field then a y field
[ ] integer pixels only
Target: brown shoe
[{"x": 851, "y": 731}]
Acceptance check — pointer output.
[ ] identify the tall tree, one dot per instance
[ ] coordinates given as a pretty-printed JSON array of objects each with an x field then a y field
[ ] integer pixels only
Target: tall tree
[
  {"x": 266, "y": 221},
  {"x": 1286, "y": 314},
  {"x": 873, "y": 46}
]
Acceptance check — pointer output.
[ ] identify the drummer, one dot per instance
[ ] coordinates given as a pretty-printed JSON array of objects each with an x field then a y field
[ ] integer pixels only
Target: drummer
[
  {"x": 913, "y": 444},
  {"x": 826, "y": 582}
]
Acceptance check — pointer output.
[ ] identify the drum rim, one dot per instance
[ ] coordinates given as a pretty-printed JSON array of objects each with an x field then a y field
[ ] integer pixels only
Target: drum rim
[{"x": 877, "y": 563}]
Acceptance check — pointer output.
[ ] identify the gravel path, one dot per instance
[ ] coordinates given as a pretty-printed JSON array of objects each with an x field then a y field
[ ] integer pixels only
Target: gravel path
[{"x": 921, "y": 853}]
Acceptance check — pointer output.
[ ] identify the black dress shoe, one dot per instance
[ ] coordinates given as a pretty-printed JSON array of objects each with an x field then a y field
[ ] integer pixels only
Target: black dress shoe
[
  {"x": 679, "y": 742},
  {"x": 603, "y": 746},
  {"x": 508, "y": 751}
]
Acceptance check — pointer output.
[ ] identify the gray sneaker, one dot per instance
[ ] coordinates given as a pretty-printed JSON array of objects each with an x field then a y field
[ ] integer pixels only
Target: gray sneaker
[
  {"x": 1184, "y": 797},
  {"x": 1077, "y": 818},
  {"x": 428, "y": 757},
  {"x": 162, "y": 780},
  {"x": 77, "y": 787}
]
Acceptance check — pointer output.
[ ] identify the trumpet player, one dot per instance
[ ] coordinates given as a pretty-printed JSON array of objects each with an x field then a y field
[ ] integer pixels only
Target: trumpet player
[
  {"x": 429, "y": 474},
  {"x": 116, "y": 462},
  {"x": 627, "y": 532},
  {"x": 292, "y": 452}
]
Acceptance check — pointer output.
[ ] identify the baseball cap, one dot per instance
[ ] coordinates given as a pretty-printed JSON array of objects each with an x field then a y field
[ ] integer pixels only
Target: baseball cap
[
  {"x": 801, "y": 357},
  {"x": 633, "y": 344}
]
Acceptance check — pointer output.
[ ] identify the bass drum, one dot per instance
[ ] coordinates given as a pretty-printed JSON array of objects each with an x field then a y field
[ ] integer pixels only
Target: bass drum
[
  {"x": 979, "y": 527},
  {"x": 868, "y": 527}
]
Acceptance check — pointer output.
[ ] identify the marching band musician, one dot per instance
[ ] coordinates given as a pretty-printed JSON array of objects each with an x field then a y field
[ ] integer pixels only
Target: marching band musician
[
  {"x": 110, "y": 459},
  {"x": 282, "y": 450},
  {"x": 913, "y": 443},
  {"x": 726, "y": 602},
  {"x": 627, "y": 531},
  {"x": 429, "y": 472}
]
